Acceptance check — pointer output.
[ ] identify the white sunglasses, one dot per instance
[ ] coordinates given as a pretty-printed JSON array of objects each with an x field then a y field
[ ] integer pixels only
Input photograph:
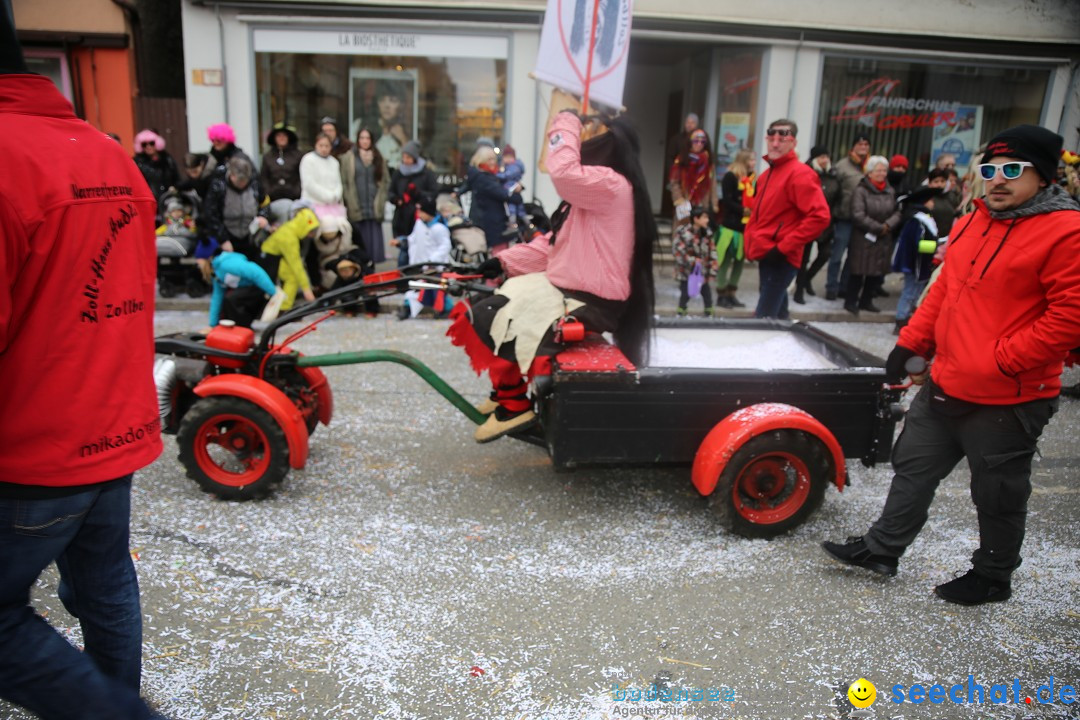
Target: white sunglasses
[{"x": 1009, "y": 170}]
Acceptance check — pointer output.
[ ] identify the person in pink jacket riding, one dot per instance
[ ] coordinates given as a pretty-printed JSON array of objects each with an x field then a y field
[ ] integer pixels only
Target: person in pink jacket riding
[{"x": 596, "y": 265}]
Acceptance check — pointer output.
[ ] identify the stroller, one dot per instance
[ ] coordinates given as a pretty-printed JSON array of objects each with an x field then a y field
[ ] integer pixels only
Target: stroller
[
  {"x": 176, "y": 267},
  {"x": 469, "y": 244}
]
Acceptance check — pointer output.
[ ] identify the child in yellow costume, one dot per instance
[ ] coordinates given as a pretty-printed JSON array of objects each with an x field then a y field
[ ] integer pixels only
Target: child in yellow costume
[{"x": 285, "y": 243}]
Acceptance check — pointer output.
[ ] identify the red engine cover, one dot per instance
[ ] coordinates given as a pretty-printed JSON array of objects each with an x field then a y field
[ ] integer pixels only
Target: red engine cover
[{"x": 232, "y": 339}]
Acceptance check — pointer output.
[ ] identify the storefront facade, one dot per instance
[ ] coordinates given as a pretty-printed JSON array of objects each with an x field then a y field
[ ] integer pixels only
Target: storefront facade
[
  {"x": 446, "y": 74},
  {"x": 85, "y": 48}
]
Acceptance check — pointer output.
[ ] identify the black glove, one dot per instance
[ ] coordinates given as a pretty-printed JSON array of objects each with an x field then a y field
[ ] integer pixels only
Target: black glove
[
  {"x": 490, "y": 268},
  {"x": 894, "y": 365},
  {"x": 774, "y": 257}
]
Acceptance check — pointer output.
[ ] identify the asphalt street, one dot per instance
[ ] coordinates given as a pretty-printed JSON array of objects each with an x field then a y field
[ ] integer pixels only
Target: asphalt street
[{"x": 407, "y": 572}]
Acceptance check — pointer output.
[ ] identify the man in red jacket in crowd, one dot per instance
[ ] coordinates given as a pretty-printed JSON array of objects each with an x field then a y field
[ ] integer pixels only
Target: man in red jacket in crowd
[
  {"x": 78, "y": 410},
  {"x": 998, "y": 323},
  {"x": 789, "y": 212}
]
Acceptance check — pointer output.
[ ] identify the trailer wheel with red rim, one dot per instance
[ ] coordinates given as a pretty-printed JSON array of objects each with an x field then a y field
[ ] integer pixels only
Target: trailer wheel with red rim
[
  {"x": 772, "y": 483},
  {"x": 232, "y": 448}
]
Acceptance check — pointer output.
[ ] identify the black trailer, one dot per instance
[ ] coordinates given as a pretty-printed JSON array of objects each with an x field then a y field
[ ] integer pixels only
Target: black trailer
[{"x": 764, "y": 443}]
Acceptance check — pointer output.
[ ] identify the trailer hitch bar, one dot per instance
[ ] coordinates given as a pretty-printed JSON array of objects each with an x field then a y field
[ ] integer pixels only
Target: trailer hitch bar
[{"x": 429, "y": 375}]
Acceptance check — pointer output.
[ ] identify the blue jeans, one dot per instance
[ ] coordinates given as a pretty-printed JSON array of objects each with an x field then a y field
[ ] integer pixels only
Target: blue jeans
[
  {"x": 86, "y": 534},
  {"x": 775, "y": 278},
  {"x": 835, "y": 279},
  {"x": 905, "y": 306}
]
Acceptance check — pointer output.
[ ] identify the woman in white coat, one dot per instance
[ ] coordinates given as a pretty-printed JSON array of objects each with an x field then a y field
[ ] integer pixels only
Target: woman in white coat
[{"x": 320, "y": 180}]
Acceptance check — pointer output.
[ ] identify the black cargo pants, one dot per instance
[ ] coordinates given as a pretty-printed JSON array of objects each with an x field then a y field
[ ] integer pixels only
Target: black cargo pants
[{"x": 998, "y": 441}]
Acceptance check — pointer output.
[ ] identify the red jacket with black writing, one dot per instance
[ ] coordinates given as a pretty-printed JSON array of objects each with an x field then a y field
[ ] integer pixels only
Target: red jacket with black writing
[
  {"x": 77, "y": 269},
  {"x": 1005, "y": 309},
  {"x": 789, "y": 210}
]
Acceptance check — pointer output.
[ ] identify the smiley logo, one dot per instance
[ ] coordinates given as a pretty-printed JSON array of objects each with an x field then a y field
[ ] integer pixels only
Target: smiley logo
[{"x": 862, "y": 693}]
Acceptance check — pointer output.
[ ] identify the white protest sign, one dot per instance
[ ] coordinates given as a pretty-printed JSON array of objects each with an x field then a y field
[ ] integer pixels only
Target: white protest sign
[{"x": 571, "y": 27}]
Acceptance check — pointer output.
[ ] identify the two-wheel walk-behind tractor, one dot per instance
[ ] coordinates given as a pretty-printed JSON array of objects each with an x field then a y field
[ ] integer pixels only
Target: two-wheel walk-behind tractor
[{"x": 763, "y": 443}]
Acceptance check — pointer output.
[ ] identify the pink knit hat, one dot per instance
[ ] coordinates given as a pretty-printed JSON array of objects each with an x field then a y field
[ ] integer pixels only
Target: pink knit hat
[
  {"x": 146, "y": 136},
  {"x": 221, "y": 132}
]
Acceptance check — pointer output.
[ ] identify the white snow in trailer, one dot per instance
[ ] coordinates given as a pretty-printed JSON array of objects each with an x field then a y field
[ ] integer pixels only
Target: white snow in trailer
[{"x": 735, "y": 348}]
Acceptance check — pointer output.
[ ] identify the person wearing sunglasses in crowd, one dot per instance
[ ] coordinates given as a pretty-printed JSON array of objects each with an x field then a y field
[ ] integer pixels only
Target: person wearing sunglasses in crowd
[
  {"x": 156, "y": 165},
  {"x": 692, "y": 179},
  {"x": 789, "y": 211},
  {"x": 999, "y": 322}
]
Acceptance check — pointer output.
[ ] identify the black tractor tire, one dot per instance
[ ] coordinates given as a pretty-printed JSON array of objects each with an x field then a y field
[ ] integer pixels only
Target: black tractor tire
[
  {"x": 232, "y": 448},
  {"x": 773, "y": 483}
]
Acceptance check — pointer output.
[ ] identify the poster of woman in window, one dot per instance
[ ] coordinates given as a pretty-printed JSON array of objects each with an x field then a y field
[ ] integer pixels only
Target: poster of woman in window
[
  {"x": 386, "y": 102},
  {"x": 959, "y": 138}
]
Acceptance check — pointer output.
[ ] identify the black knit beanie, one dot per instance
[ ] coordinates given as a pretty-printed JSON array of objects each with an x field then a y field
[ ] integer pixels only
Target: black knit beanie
[
  {"x": 426, "y": 202},
  {"x": 1037, "y": 145}
]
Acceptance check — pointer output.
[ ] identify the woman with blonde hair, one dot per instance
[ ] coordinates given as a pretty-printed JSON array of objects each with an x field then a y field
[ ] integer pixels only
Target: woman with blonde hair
[
  {"x": 488, "y": 210},
  {"x": 737, "y": 186}
]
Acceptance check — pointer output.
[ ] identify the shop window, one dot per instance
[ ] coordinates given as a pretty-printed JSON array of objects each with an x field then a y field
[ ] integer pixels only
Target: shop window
[
  {"x": 445, "y": 103},
  {"x": 922, "y": 110},
  {"x": 740, "y": 84},
  {"x": 52, "y": 64}
]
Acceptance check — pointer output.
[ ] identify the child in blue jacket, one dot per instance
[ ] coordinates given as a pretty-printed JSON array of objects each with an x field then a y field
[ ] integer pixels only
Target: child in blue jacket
[
  {"x": 240, "y": 289},
  {"x": 513, "y": 170}
]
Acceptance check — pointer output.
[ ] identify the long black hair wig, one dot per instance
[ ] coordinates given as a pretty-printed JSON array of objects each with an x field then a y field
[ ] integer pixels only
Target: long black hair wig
[{"x": 620, "y": 149}]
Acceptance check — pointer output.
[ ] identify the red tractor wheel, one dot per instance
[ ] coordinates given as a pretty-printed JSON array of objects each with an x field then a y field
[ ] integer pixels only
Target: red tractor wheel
[
  {"x": 773, "y": 483},
  {"x": 232, "y": 448}
]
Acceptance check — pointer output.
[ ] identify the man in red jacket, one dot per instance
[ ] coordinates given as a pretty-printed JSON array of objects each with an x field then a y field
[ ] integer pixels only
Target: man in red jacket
[
  {"x": 789, "y": 212},
  {"x": 78, "y": 409},
  {"x": 998, "y": 323}
]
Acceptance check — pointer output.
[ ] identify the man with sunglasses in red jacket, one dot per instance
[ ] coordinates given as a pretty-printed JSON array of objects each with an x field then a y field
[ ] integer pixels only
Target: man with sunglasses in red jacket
[
  {"x": 998, "y": 324},
  {"x": 789, "y": 212},
  {"x": 78, "y": 409}
]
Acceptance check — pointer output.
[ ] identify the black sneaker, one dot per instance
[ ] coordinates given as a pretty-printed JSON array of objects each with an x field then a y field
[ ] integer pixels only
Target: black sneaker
[
  {"x": 854, "y": 552},
  {"x": 974, "y": 589}
]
